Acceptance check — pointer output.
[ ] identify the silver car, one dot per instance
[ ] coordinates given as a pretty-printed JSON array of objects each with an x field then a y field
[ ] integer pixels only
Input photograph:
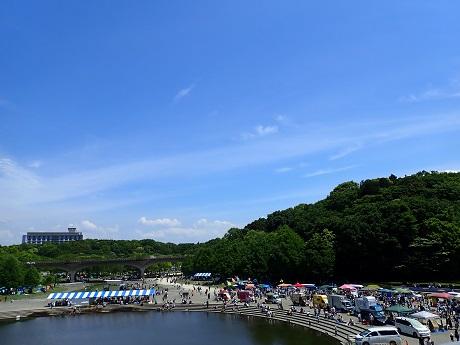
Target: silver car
[{"x": 378, "y": 336}]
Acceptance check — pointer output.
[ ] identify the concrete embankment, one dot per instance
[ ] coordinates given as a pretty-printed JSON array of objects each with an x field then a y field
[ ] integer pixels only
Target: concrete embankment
[
  {"x": 343, "y": 333},
  {"x": 340, "y": 332}
]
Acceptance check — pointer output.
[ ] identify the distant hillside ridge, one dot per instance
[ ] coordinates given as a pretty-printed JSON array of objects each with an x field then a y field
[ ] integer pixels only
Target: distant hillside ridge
[{"x": 387, "y": 228}]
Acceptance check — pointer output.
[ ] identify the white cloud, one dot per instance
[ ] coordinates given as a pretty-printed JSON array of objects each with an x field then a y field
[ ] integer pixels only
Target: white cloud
[
  {"x": 7, "y": 235},
  {"x": 265, "y": 130},
  {"x": 260, "y": 131},
  {"x": 88, "y": 225},
  {"x": 281, "y": 118},
  {"x": 35, "y": 164},
  {"x": 283, "y": 170},
  {"x": 27, "y": 194},
  {"x": 452, "y": 90},
  {"x": 201, "y": 230},
  {"x": 168, "y": 222},
  {"x": 91, "y": 230},
  {"x": 184, "y": 92},
  {"x": 321, "y": 172}
]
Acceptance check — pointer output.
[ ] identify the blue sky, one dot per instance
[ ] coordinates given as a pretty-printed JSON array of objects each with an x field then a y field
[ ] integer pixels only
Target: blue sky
[{"x": 175, "y": 120}]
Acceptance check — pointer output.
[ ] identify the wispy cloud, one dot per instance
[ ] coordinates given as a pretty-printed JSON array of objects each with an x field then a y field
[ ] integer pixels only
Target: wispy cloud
[
  {"x": 432, "y": 94},
  {"x": 91, "y": 230},
  {"x": 283, "y": 170},
  {"x": 346, "y": 151},
  {"x": 88, "y": 225},
  {"x": 321, "y": 172},
  {"x": 260, "y": 131},
  {"x": 199, "y": 231},
  {"x": 164, "y": 222},
  {"x": 35, "y": 164},
  {"x": 27, "y": 193},
  {"x": 184, "y": 92}
]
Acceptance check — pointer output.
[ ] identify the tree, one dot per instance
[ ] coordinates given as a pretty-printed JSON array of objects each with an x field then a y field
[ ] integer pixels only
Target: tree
[
  {"x": 11, "y": 275},
  {"x": 32, "y": 277},
  {"x": 320, "y": 255}
]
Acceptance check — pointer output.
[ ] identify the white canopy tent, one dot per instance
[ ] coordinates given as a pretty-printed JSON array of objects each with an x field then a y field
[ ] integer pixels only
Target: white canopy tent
[{"x": 100, "y": 294}]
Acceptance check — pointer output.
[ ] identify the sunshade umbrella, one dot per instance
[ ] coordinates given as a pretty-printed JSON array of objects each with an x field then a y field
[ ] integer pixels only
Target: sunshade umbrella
[
  {"x": 298, "y": 285},
  {"x": 443, "y": 295}
]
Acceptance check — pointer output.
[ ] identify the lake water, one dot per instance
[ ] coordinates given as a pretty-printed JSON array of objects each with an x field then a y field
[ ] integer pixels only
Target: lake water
[{"x": 147, "y": 328}]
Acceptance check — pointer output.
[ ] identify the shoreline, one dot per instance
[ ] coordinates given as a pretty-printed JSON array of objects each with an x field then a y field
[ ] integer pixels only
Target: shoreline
[
  {"x": 246, "y": 312},
  {"x": 27, "y": 309}
]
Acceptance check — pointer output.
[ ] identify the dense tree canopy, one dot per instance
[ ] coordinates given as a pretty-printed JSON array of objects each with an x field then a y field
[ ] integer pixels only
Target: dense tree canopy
[{"x": 380, "y": 229}]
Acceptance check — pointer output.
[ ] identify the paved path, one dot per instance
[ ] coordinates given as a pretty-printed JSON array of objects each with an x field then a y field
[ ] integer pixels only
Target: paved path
[{"x": 8, "y": 309}]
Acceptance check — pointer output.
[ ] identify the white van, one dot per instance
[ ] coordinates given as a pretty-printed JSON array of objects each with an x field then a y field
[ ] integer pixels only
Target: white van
[
  {"x": 412, "y": 327},
  {"x": 379, "y": 335}
]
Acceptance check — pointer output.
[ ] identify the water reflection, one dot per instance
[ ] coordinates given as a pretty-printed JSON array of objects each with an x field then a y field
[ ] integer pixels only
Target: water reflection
[{"x": 156, "y": 328}]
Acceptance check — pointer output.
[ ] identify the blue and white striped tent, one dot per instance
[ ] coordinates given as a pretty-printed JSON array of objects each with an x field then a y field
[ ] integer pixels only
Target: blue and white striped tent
[
  {"x": 203, "y": 275},
  {"x": 100, "y": 294}
]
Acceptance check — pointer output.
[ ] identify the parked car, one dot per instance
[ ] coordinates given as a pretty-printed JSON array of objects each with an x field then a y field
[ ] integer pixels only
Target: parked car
[
  {"x": 412, "y": 327},
  {"x": 379, "y": 335}
]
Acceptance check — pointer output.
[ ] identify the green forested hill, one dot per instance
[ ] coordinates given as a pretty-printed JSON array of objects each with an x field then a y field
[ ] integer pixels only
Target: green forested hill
[
  {"x": 386, "y": 228},
  {"x": 381, "y": 229}
]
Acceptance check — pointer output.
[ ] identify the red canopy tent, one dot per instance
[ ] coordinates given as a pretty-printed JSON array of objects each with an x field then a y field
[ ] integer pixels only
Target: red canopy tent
[{"x": 443, "y": 295}]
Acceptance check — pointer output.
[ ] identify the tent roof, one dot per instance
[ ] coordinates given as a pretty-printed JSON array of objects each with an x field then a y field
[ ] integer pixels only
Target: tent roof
[
  {"x": 402, "y": 290},
  {"x": 399, "y": 309},
  {"x": 284, "y": 285},
  {"x": 100, "y": 294},
  {"x": 444, "y": 295},
  {"x": 424, "y": 315}
]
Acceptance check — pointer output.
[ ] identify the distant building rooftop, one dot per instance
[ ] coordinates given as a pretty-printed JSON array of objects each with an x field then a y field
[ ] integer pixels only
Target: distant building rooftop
[{"x": 40, "y": 237}]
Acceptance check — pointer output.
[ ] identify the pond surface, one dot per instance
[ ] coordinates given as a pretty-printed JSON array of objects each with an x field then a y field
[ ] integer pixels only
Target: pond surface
[{"x": 147, "y": 328}]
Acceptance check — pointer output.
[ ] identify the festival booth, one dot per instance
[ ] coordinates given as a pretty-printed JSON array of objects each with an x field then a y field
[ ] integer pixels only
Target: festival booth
[
  {"x": 386, "y": 292},
  {"x": 399, "y": 309},
  {"x": 438, "y": 297},
  {"x": 309, "y": 286},
  {"x": 249, "y": 286},
  {"x": 223, "y": 295},
  {"x": 298, "y": 286},
  {"x": 202, "y": 276},
  {"x": 284, "y": 285},
  {"x": 93, "y": 295},
  {"x": 245, "y": 295},
  {"x": 349, "y": 289},
  {"x": 403, "y": 291},
  {"x": 264, "y": 287},
  {"x": 426, "y": 318}
]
